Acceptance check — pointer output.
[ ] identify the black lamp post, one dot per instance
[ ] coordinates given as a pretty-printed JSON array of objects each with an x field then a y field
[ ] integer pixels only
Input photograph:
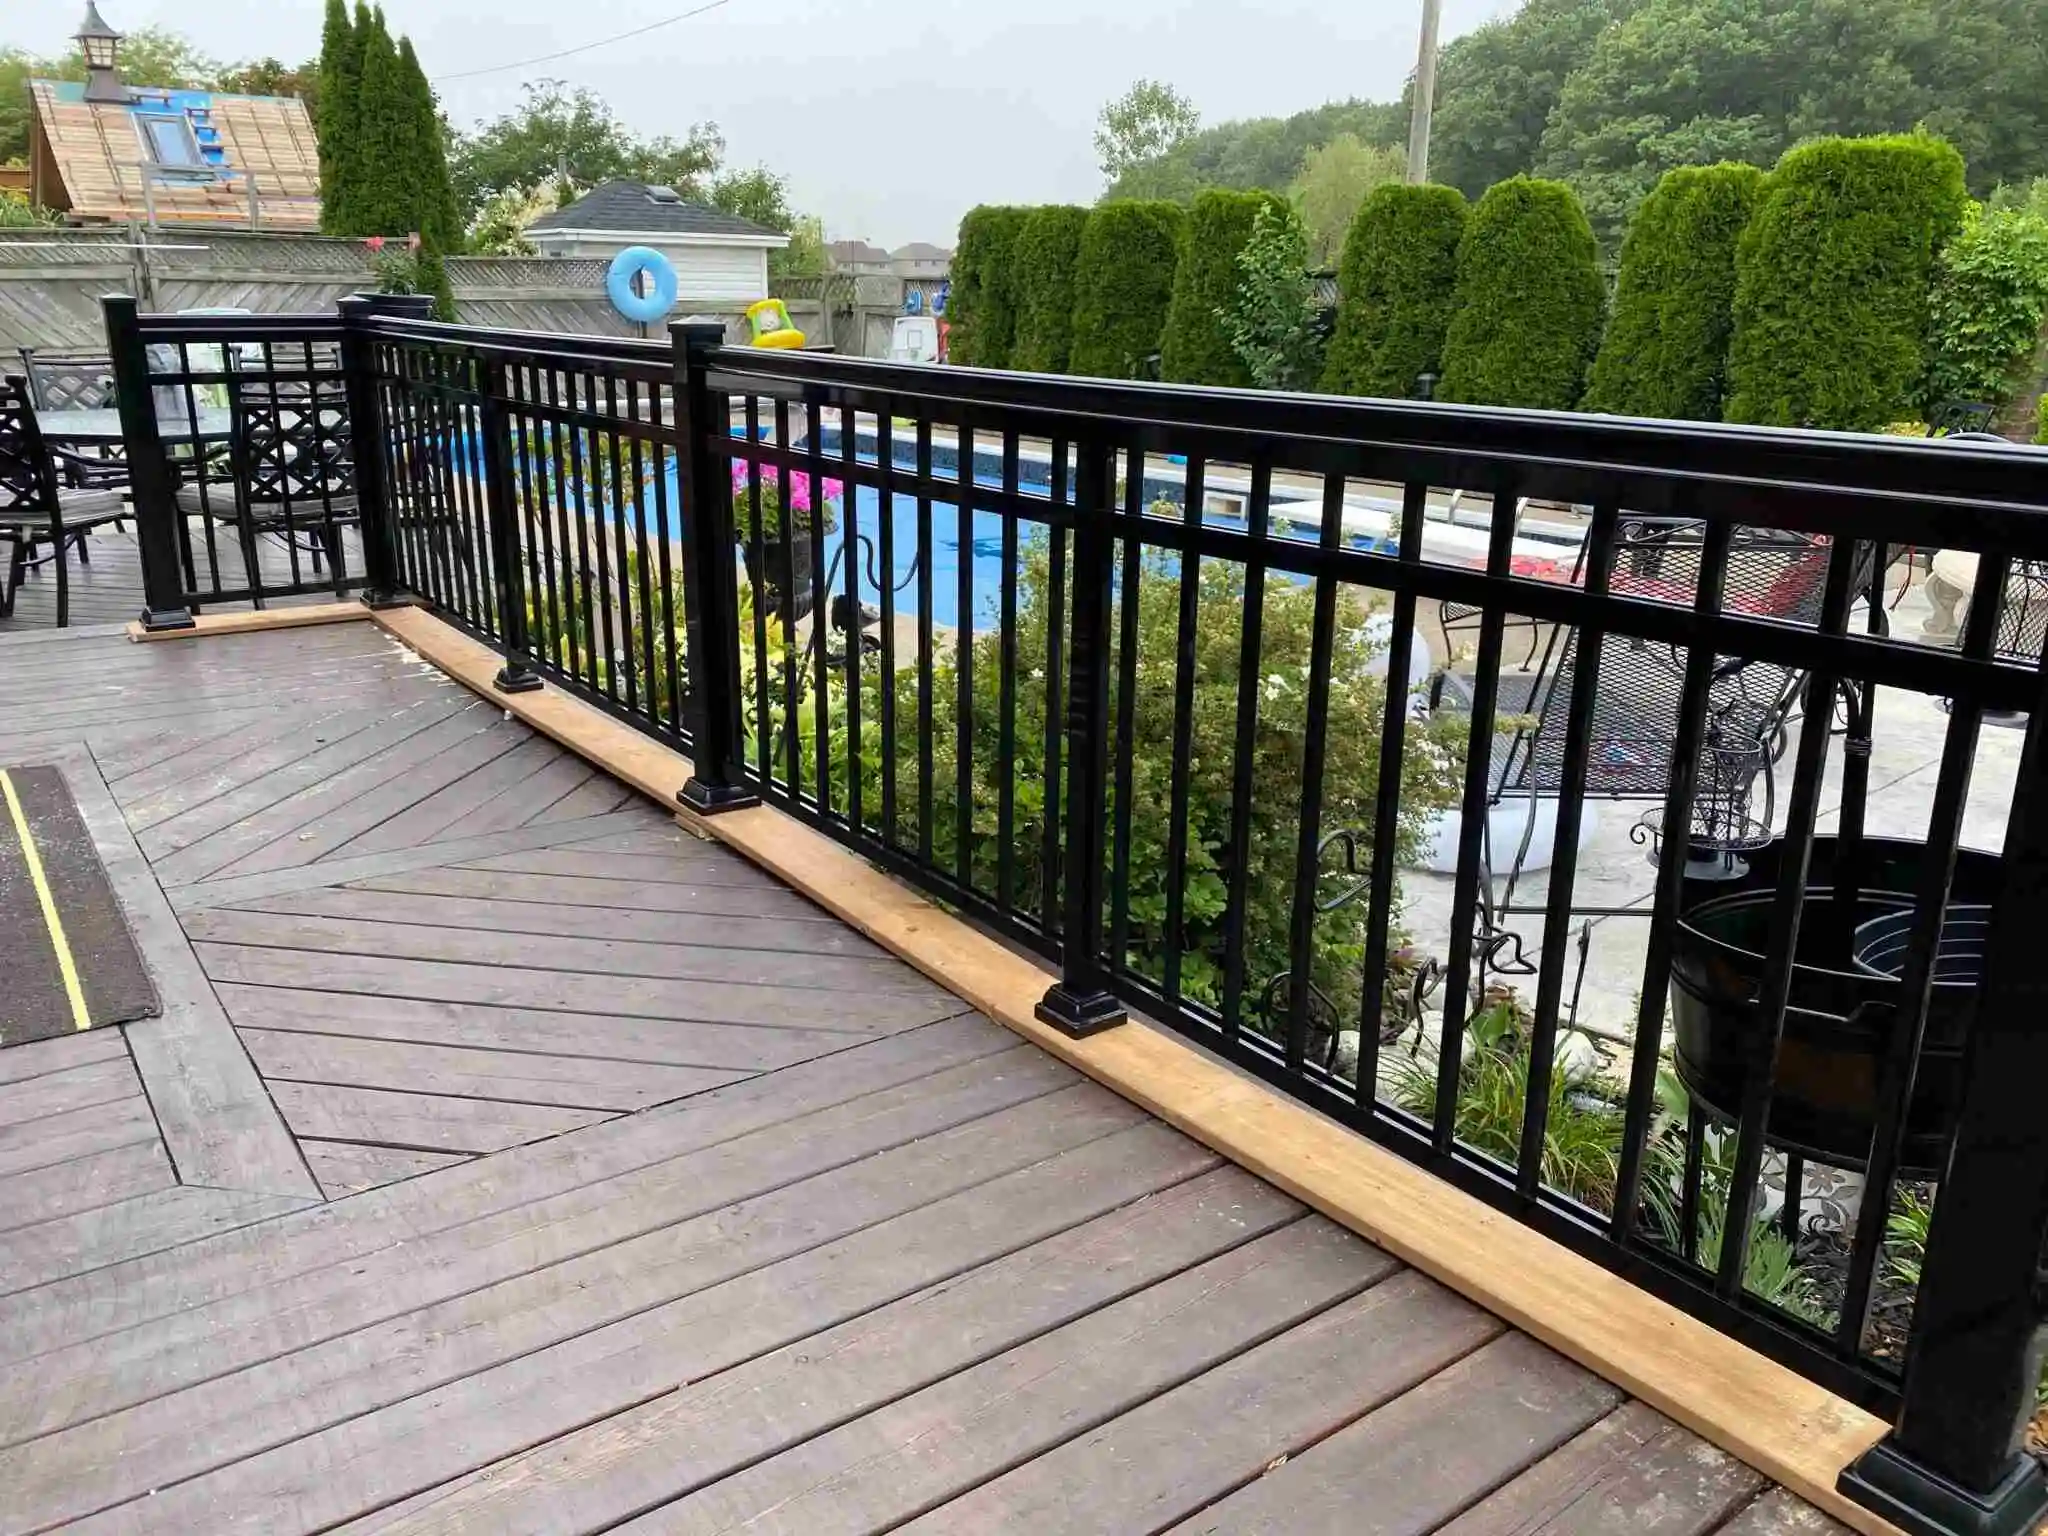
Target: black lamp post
[{"x": 101, "y": 45}]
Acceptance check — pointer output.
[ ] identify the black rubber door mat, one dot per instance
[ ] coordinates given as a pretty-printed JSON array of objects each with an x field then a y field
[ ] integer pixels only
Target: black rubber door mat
[{"x": 67, "y": 961}]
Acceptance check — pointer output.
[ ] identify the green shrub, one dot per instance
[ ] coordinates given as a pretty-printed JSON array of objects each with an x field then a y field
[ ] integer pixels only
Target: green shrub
[
  {"x": 1832, "y": 279},
  {"x": 1666, "y": 349},
  {"x": 1042, "y": 285},
  {"x": 2041, "y": 429},
  {"x": 1271, "y": 319},
  {"x": 1123, "y": 281},
  {"x": 1984, "y": 316},
  {"x": 1196, "y": 348},
  {"x": 981, "y": 316},
  {"x": 1395, "y": 286},
  {"x": 1432, "y": 769},
  {"x": 1526, "y": 316}
]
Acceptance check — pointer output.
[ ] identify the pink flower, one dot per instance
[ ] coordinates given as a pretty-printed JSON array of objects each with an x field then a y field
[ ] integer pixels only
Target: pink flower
[{"x": 375, "y": 245}]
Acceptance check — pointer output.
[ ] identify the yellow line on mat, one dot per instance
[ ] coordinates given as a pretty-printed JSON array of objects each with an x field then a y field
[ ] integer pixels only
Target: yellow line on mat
[{"x": 79, "y": 1016}]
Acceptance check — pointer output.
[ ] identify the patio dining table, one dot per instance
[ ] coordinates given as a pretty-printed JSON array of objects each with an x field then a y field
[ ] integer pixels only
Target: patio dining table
[{"x": 102, "y": 427}]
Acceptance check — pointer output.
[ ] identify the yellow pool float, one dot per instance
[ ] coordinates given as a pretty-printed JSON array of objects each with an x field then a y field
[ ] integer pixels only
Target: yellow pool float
[{"x": 771, "y": 326}]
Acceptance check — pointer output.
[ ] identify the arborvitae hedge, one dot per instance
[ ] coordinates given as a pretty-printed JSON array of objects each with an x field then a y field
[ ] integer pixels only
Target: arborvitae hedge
[
  {"x": 1195, "y": 348},
  {"x": 1043, "y": 282},
  {"x": 1123, "y": 281},
  {"x": 1395, "y": 287},
  {"x": 1666, "y": 349},
  {"x": 1832, "y": 280},
  {"x": 1527, "y": 309},
  {"x": 341, "y": 76},
  {"x": 981, "y": 315}
]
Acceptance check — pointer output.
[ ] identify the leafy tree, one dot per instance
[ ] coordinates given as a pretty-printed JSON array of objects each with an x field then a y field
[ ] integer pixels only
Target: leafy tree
[
  {"x": 1990, "y": 295},
  {"x": 273, "y": 77},
  {"x": 1148, "y": 120},
  {"x": 1334, "y": 181},
  {"x": 1496, "y": 87},
  {"x": 1666, "y": 349},
  {"x": 981, "y": 314},
  {"x": 1258, "y": 153},
  {"x": 1196, "y": 346},
  {"x": 559, "y": 135},
  {"x": 1395, "y": 288},
  {"x": 1527, "y": 308},
  {"x": 2041, "y": 427},
  {"x": 1043, "y": 281},
  {"x": 1123, "y": 281},
  {"x": 1271, "y": 320},
  {"x": 341, "y": 77},
  {"x": 1832, "y": 280},
  {"x": 500, "y": 225}
]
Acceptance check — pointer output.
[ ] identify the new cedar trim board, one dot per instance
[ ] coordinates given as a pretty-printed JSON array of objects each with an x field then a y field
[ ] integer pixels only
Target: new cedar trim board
[
  {"x": 299, "y": 617},
  {"x": 1786, "y": 1427}
]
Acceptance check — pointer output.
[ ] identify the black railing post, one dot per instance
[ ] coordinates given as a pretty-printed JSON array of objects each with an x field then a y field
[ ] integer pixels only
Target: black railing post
[
  {"x": 1078, "y": 1003},
  {"x": 711, "y": 594},
  {"x": 366, "y": 456},
  {"x": 1955, "y": 1464},
  {"x": 149, "y": 472},
  {"x": 507, "y": 550}
]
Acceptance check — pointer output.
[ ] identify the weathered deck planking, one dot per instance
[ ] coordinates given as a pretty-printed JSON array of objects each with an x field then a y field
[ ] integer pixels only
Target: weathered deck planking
[{"x": 623, "y": 1188}]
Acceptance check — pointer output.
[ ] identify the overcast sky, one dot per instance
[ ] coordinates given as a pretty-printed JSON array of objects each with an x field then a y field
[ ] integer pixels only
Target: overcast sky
[{"x": 889, "y": 117}]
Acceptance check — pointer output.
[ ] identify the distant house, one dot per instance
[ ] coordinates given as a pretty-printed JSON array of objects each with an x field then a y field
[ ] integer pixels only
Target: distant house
[
  {"x": 919, "y": 259},
  {"x": 719, "y": 257},
  {"x": 859, "y": 258},
  {"x": 103, "y": 151}
]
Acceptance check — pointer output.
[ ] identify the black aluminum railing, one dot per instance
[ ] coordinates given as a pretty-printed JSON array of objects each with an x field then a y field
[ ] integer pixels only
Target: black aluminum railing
[{"x": 1132, "y": 675}]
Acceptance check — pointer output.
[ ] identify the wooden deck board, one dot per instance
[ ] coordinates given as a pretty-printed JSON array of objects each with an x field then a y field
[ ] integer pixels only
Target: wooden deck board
[{"x": 576, "y": 1175}]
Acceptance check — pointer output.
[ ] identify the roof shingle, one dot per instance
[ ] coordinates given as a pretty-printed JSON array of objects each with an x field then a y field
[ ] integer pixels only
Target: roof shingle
[{"x": 627, "y": 207}]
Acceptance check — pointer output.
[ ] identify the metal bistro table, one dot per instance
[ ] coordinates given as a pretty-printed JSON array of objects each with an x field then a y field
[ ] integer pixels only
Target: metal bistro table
[{"x": 101, "y": 428}]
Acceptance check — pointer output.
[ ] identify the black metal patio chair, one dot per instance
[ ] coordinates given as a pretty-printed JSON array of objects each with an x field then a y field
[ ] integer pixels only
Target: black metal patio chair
[
  {"x": 1751, "y": 707},
  {"x": 61, "y": 380},
  {"x": 36, "y": 511}
]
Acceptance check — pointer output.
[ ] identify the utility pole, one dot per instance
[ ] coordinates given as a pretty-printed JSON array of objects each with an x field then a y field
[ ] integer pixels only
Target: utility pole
[{"x": 1425, "y": 95}]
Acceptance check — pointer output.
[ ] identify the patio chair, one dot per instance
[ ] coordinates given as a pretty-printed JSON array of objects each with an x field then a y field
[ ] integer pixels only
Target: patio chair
[
  {"x": 35, "y": 511},
  {"x": 289, "y": 473},
  {"x": 1751, "y": 706},
  {"x": 77, "y": 381}
]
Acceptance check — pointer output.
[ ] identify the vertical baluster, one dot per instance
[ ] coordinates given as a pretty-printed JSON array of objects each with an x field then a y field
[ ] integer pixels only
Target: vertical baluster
[
  {"x": 1308, "y": 839},
  {"x": 1006, "y": 702},
  {"x": 924, "y": 636},
  {"x": 1386, "y": 826},
  {"x": 792, "y": 694},
  {"x": 643, "y": 555},
  {"x": 618, "y": 435},
  {"x": 670, "y": 520},
  {"x": 1183, "y": 732},
  {"x": 856, "y": 628},
  {"x": 1472, "y": 828},
  {"x": 1687, "y": 741},
  {"x": 1126, "y": 711},
  {"x": 963, "y": 671},
  {"x": 517, "y": 675},
  {"x": 756, "y": 534},
  {"x": 885, "y": 541},
  {"x": 821, "y": 602},
  {"x": 1564, "y": 859},
  {"x": 1049, "y": 913},
  {"x": 1244, "y": 758}
]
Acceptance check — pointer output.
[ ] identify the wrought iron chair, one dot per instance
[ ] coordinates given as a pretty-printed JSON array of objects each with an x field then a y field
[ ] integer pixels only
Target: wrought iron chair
[
  {"x": 35, "y": 511},
  {"x": 77, "y": 381},
  {"x": 1751, "y": 706},
  {"x": 291, "y": 476}
]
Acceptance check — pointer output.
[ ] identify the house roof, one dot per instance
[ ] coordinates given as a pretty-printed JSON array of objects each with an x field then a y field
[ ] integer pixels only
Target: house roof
[
  {"x": 848, "y": 252},
  {"x": 88, "y": 158},
  {"x": 922, "y": 250},
  {"x": 633, "y": 207}
]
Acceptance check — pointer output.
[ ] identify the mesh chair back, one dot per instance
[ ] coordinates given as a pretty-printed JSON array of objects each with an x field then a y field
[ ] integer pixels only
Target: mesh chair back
[
  {"x": 25, "y": 480},
  {"x": 68, "y": 381}
]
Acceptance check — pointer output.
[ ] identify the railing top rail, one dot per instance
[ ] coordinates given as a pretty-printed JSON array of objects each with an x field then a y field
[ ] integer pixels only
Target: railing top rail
[
  {"x": 175, "y": 327},
  {"x": 537, "y": 345},
  {"x": 1986, "y": 494}
]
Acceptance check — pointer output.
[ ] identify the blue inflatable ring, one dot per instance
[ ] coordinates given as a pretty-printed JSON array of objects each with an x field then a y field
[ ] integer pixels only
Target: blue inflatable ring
[{"x": 618, "y": 283}]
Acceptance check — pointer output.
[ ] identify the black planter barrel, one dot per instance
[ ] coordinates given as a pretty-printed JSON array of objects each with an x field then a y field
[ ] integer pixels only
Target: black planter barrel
[{"x": 1845, "y": 989}]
